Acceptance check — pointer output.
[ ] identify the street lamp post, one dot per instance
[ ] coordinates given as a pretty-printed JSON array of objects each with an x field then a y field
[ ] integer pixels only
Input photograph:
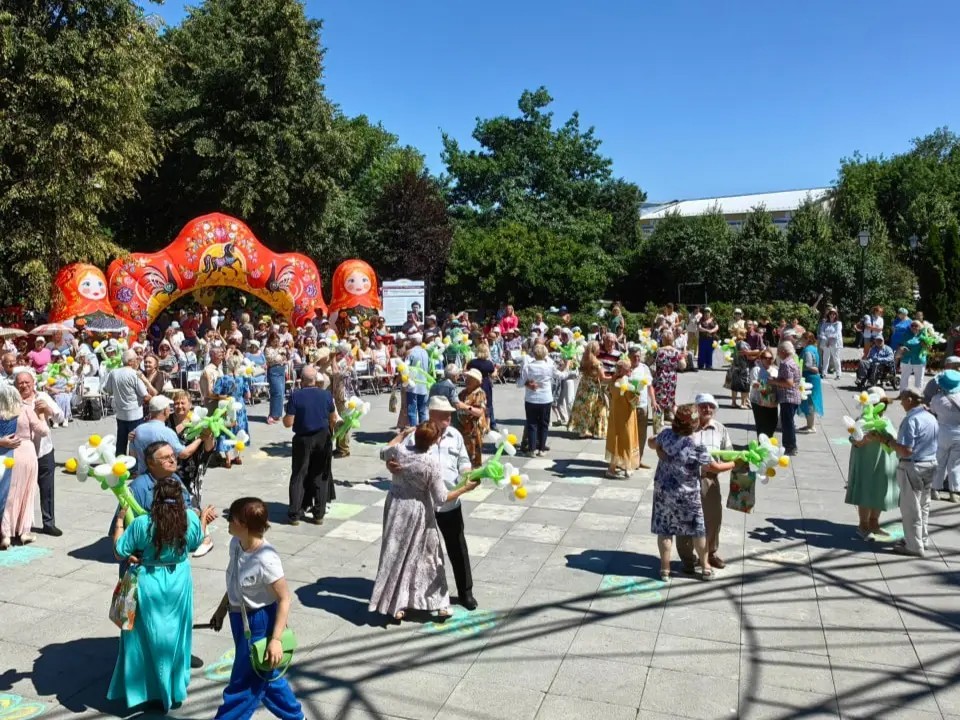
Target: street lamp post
[{"x": 863, "y": 239}]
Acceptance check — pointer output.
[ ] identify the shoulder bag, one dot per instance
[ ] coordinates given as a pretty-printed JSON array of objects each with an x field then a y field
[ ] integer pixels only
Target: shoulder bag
[{"x": 258, "y": 649}]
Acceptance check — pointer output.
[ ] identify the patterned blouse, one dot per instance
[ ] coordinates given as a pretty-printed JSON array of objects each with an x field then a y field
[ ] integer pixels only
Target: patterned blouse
[{"x": 789, "y": 371}]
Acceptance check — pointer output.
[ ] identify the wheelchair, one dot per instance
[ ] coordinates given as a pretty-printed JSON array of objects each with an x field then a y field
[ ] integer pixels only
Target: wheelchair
[{"x": 879, "y": 374}]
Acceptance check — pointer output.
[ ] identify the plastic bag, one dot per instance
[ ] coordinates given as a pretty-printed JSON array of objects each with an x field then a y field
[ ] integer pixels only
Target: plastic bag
[
  {"x": 123, "y": 606},
  {"x": 394, "y": 404},
  {"x": 742, "y": 491}
]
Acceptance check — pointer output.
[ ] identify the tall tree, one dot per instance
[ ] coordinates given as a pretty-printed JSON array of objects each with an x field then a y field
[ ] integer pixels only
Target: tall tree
[
  {"x": 759, "y": 248},
  {"x": 76, "y": 79},
  {"x": 933, "y": 286},
  {"x": 247, "y": 128},
  {"x": 411, "y": 225}
]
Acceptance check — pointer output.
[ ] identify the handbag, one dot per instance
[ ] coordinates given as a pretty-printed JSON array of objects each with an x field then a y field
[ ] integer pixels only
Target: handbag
[
  {"x": 394, "y": 404},
  {"x": 742, "y": 491},
  {"x": 258, "y": 649},
  {"x": 123, "y": 605}
]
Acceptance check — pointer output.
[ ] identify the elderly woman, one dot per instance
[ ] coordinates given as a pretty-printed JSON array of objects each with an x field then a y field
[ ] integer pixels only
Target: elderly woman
[
  {"x": 677, "y": 504},
  {"x": 763, "y": 397},
  {"x": 872, "y": 477},
  {"x": 277, "y": 365},
  {"x": 152, "y": 375},
  {"x": 913, "y": 358},
  {"x": 743, "y": 358},
  {"x": 666, "y": 364},
  {"x": 40, "y": 356},
  {"x": 536, "y": 377},
  {"x": 411, "y": 575},
  {"x": 471, "y": 416},
  {"x": 62, "y": 392},
  {"x": 488, "y": 371},
  {"x": 707, "y": 329},
  {"x": 623, "y": 440},
  {"x": 235, "y": 386},
  {"x": 588, "y": 417},
  {"x": 153, "y": 662},
  {"x": 830, "y": 337},
  {"x": 20, "y": 432},
  {"x": 787, "y": 385},
  {"x": 192, "y": 469},
  {"x": 946, "y": 406},
  {"x": 813, "y": 405}
]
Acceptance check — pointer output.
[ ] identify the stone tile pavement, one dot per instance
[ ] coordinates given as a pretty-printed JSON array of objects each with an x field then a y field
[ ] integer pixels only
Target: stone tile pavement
[{"x": 807, "y": 620}]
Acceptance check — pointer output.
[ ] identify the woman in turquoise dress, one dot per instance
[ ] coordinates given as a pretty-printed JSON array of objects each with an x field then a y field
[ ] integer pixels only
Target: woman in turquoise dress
[
  {"x": 813, "y": 405},
  {"x": 153, "y": 664},
  {"x": 872, "y": 478},
  {"x": 232, "y": 385}
]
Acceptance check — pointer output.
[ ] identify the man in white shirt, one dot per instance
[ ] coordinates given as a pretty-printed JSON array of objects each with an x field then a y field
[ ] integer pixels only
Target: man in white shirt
[
  {"x": 714, "y": 436},
  {"x": 693, "y": 328},
  {"x": 646, "y": 401},
  {"x": 454, "y": 462},
  {"x": 872, "y": 327},
  {"x": 128, "y": 392},
  {"x": 211, "y": 372}
]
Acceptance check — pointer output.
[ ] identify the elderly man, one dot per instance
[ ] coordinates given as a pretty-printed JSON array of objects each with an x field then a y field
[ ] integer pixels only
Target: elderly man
[
  {"x": 447, "y": 387},
  {"x": 208, "y": 378},
  {"x": 129, "y": 393},
  {"x": 155, "y": 430},
  {"x": 916, "y": 448},
  {"x": 609, "y": 353},
  {"x": 48, "y": 411},
  {"x": 417, "y": 395},
  {"x": 878, "y": 356},
  {"x": 454, "y": 462},
  {"x": 7, "y": 364},
  {"x": 312, "y": 413},
  {"x": 714, "y": 436}
]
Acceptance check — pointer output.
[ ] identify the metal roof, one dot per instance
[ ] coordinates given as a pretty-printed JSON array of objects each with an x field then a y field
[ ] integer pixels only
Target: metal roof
[{"x": 735, "y": 204}]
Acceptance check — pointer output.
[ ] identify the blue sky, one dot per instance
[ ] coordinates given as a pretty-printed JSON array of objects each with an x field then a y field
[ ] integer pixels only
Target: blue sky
[{"x": 691, "y": 99}]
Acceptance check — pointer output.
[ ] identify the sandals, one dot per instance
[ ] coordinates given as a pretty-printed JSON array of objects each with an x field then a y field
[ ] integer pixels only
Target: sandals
[
  {"x": 444, "y": 614},
  {"x": 706, "y": 574},
  {"x": 399, "y": 615},
  {"x": 611, "y": 475},
  {"x": 665, "y": 575}
]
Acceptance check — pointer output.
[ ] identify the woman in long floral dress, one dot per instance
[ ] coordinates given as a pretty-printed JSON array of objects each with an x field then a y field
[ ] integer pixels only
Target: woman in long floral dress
[
  {"x": 665, "y": 374},
  {"x": 472, "y": 419},
  {"x": 677, "y": 506},
  {"x": 589, "y": 414},
  {"x": 233, "y": 386}
]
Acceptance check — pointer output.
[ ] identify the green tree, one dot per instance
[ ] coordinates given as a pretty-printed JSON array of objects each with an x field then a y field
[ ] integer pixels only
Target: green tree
[
  {"x": 758, "y": 250},
  {"x": 247, "y": 129},
  {"x": 933, "y": 286},
  {"x": 75, "y": 85},
  {"x": 525, "y": 266},
  {"x": 411, "y": 225}
]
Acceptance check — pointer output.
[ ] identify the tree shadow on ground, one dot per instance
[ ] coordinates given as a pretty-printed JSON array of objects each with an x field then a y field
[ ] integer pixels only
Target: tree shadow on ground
[
  {"x": 277, "y": 449},
  {"x": 813, "y": 531},
  {"x": 615, "y": 562},
  {"x": 573, "y": 466}
]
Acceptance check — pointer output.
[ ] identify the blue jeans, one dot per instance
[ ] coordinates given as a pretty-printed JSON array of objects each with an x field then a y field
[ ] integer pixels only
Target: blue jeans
[
  {"x": 416, "y": 408},
  {"x": 277, "y": 380},
  {"x": 246, "y": 690},
  {"x": 124, "y": 428}
]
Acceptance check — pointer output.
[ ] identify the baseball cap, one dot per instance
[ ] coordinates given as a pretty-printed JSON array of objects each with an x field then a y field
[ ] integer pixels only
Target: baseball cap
[
  {"x": 159, "y": 403},
  {"x": 952, "y": 360}
]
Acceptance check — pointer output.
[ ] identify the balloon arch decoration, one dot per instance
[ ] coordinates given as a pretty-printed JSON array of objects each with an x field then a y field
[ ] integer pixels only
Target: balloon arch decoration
[{"x": 211, "y": 251}]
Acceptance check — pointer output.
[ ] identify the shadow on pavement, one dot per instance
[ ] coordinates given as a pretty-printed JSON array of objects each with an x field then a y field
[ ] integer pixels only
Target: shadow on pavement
[
  {"x": 100, "y": 551},
  {"x": 346, "y": 598},
  {"x": 615, "y": 562}
]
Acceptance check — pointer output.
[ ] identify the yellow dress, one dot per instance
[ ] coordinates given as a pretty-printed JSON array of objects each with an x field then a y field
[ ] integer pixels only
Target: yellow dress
[
  {"x": 589, "y": 413},
  {"x": 623, "y": 440}
]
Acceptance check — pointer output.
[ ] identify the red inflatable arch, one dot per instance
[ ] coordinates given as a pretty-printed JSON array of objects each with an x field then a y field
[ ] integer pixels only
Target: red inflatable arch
[{"x": 214, "y": 251}]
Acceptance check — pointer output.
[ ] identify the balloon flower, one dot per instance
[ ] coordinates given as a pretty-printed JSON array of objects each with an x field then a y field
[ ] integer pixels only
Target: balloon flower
[
  {"x": 238, "y": 442},
  {"x": 412, "y": 375},
  {"x": 764, "y": 456},
  {"x": 356, "y": 409},
  {"x": 98, "y": 457},
  {"x": 435, "y": 352},
  {"x": 218, "y": 424},
  {"x": 251, "y": 369},
  {"x": 871, "y": 417},
  {"x": 930, "y": 336},
  {"x": 504, "y": 476},
  {"x": 633, "y": 383}
]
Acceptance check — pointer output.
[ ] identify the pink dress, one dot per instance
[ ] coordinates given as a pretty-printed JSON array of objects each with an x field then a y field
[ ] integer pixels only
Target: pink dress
[{"x": 18, "y": 514}]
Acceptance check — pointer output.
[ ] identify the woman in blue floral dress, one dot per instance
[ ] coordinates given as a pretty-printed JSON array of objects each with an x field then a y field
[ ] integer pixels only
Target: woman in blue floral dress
[
  {"x": 677, "y": 508},
  {"x": 234, "y": 386}
]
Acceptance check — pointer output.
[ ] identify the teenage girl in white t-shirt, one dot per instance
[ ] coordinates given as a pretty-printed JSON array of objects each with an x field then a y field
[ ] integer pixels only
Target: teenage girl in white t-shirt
[{"x": 255, "y": 578}]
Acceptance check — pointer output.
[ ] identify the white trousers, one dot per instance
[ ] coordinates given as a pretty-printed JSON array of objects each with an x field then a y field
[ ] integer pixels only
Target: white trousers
[
  {"x": 828, "y": 355},
  {"x": 911, "y": 374},
  {"x": 948, "y": 461},
  {"x": 915, "y": 480}
]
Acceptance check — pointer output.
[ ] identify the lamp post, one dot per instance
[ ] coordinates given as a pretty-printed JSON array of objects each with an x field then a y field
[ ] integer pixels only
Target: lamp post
[{"x": 863, "y": 239}]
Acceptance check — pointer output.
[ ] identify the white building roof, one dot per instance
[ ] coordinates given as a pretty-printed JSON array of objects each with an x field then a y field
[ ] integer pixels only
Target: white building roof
[{"x": 734, "y": 204}]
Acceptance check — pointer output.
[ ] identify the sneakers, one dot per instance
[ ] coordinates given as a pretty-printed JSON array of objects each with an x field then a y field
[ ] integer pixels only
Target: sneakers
[
  {"x": 27, "y": 538},
  {"x": 934, "y": 494},
  {"x": 955, "y": 497},
  {"x": 205, "y": 547}
]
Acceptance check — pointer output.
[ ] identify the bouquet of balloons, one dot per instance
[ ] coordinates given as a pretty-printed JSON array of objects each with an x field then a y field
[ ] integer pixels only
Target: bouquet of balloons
[
  {"x": 636, "y": 383},
  {"x": 930, "y": 336},
  {"x": 871, "y": 417},
  {"x": 504, "y": 476},
  {"x": 218, "y": 423},
  {"x": 98, "y": 457},
  {"x": 412, "y": 375},
  {"x": 764, "y": 456}
]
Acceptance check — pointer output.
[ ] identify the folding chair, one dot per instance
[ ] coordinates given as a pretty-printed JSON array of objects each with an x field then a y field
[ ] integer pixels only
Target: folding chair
[
  {"x": 363, "y": 375},
  {"x": 93, "y": 397}
]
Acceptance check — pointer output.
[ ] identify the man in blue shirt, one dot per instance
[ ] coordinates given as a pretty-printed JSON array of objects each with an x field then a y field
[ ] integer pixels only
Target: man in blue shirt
[
  {"x": 312, "y": 413},
  {"x": 880, "y": 355},
  {"x": 417, "y": 396},
  {"x": 916, "y": 447},
  {"x": 157, "y": 430}
]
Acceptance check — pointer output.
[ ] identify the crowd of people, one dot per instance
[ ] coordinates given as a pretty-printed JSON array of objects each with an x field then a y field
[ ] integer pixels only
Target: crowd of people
[{"x": 599, "y": 382}]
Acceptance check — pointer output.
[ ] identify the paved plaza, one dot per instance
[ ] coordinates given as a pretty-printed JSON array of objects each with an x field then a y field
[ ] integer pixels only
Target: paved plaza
[{"x": 807, "y": 620}]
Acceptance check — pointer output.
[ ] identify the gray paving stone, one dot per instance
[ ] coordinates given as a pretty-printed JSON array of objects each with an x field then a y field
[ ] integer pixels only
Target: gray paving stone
[
  {"x": 558, "y": 707},
  {"x": 714, "y": 659},
  {"x": 687, "y": 694},
  {"x": 484, "y": 700},
  {"x": 588, "y": 678}
]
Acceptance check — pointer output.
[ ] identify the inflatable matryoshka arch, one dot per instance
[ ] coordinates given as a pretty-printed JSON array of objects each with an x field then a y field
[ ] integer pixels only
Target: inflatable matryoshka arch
[{"x": 213, "y": 251}]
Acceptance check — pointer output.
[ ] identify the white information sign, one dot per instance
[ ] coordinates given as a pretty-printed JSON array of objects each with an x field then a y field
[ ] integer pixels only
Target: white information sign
[{"x": 398, "y": 297}]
